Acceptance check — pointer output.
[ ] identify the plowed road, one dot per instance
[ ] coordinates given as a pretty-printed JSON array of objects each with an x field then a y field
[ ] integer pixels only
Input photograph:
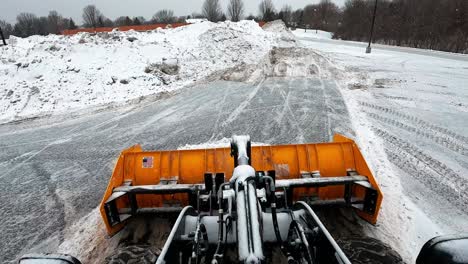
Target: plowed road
[{"x": 53, "y": 171}]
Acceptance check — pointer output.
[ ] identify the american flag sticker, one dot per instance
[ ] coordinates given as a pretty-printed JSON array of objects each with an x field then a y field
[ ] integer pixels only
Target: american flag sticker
[{"x": 147, "y": 162}]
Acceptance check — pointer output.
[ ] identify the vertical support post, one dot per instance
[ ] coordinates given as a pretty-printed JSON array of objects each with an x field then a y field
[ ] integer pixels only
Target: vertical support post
[
  {"x": 133, "y": 203},
  {"x": 369, "y": 49},
  {"x": 3, "y": 37}
]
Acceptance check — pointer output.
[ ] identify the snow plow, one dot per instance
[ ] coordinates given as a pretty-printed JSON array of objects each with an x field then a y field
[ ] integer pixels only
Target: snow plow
[
  {"x": 240, "y": 202},
  {"x": 249, "y": 204}
]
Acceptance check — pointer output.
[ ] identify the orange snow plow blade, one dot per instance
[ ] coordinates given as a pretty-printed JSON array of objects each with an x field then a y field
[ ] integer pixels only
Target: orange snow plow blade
[{"x": 161, "y": 181}]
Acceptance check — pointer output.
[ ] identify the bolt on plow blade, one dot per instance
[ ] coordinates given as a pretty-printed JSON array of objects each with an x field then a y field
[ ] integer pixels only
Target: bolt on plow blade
[{"x": 239, "y": 203}]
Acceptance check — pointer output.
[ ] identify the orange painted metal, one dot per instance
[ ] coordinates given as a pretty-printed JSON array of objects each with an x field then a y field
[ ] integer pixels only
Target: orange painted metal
[{"x": 288, "y": 161}]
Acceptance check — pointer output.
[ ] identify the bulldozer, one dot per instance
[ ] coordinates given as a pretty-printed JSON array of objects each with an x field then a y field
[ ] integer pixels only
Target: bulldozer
[{"x": 238, "y": 204}]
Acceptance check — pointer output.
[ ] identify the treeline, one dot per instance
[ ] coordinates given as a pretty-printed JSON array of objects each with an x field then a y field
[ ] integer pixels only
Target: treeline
[
  {"x": 28, "y": 24},
  {"x": 430, "y": 24}
]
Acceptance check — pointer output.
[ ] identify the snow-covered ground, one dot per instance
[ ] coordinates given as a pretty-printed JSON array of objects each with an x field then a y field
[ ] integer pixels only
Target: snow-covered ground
[
  {"x": 222, "y": 143},
  {"x": 312, "y": 33},
  {"x": 58, "y": 74},
  {"x": 410, "y": 115},
  {"x": 408, "y": 111}
]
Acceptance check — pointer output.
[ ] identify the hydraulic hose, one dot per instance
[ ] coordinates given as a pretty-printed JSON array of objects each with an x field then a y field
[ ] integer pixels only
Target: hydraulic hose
[
  {"x": 200, "y": 233},
  {"x": 300, "y": 233},
  {"x": 270, "y": 186},
  {"x": 220, "y": 224},
  {"x": 275, "y": 224}
]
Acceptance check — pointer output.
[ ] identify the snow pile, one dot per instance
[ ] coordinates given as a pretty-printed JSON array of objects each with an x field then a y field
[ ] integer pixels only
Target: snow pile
[
  {"x": 312, "y": 33},
  {"x": 196, "y": 20},
  {"x": 222, "y": 143},
  {"x": 278, "y": 26},
  {"x": 86, "y": 239},
  {"x": 54, "y": 74}
]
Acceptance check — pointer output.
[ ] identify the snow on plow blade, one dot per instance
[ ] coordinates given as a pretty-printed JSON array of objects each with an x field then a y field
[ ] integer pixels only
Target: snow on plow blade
[{"x": 332, "y": 173}]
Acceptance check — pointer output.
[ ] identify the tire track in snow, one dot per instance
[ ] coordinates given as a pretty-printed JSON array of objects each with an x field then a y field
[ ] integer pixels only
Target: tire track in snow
[
  {"x": 442, "y": 140},
  {"x": 71, "y": 135},
  {"x": 58, "y": 205},
  {"x": 415, "y": 120},
  {"x": 218, "y": 117},
  {"x": 59, "y": 141},
  {"x": 429, "y": 171},
  {"x": 293, "y": 119},
  {"x": 243, "y": 105},
  {"x": 326, "y": 97}
]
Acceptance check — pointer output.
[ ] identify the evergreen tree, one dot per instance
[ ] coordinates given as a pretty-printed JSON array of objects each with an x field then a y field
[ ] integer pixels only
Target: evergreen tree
[{"x": 71, "y": 24}]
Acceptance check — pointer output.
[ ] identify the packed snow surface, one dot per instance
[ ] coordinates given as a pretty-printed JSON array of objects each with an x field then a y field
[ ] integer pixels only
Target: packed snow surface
[
  {"x": 408, "y": 108},
  {"x": 55, "y": 74}
]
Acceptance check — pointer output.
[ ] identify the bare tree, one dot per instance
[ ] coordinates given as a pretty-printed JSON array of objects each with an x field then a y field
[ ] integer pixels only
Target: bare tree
[
  {"x": 197, "y": 16},
  {"x": 251, "y": 17},
  {"x": 136, "y": 21},
  {"x": 128, "y": 21},
  {"x": 297, "y": 17},
  {"x": 286, "y": 14},
  {"x": 25, "y": 24},
  {"x": 100, "y": 22},
  {"x": 141, "y": 19},
  {"x": 428, "y": 24},
  {"x": 55, "y": 22},
  {"x": 107, "y": 22},
  {"x": 41, "y": 26},
  {"x": 267, "y": 10},
  {"x": 121, "y": 21},
  {"x": 92, "y": 16},
  {"x": 328, "y": 15},
  {"x": 6, "y": 28},
  {"x": 212, "y": 10},
  {"x": 310, "y": 17},
  {"x": 182, "y": 19},
  {"x": 236, "y": 10},
  {"x": 164, "y": 16}
]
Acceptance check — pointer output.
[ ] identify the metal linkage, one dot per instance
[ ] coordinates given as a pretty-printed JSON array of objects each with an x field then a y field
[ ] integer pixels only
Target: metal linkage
[
  {"x": 319, "y": 182},
  {"x": 200, "y": 244},
  {"x": 340, "y": 256},
  {"x": 160, "y": 189},
  {"x": 280, "y": 184},
  {"x": 248, "y": 210}
]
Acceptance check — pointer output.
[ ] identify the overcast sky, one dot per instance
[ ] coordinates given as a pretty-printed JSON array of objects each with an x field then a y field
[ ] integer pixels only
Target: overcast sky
[{"x": 115, "y": 8}]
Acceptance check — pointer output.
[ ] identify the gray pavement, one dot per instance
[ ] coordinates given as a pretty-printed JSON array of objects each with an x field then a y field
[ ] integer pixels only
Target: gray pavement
[{"x": 54, "y": 170}]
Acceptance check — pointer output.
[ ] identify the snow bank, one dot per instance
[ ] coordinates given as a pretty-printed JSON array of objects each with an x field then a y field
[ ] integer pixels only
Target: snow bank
[
  {"x": 84, "y": 237},
  {"x": 279, "y": 27},
  {"x": 222, "y": 143},
  {"x": 312, "y": 33},
  {"x": 55, "y": 74},
  {"x": 196, "y": 20}
]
